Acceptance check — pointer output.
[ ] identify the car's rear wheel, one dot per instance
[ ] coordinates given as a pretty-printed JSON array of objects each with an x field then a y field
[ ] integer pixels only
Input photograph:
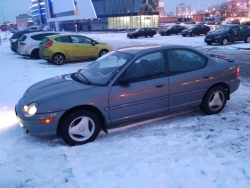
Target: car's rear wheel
[
  {"x": 103, "y": 52},
  {"x": 214, "y": 100},
  {"x": 58, "y": 59},
  {"x": 80, "y": 127},
  {"x": 224, "y": 41},
  {"x": 35, "y": 54},
  {"x": 247, "y": 40},
  {"x": 192, "y": 34}
]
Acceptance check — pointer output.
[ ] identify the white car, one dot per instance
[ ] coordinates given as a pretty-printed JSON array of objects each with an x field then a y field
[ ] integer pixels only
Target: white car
[{"x": 28, "y": 44}]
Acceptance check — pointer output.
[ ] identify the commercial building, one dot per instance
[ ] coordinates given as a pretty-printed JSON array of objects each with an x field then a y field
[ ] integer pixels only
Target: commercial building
[
  {"x": 22, "y": 20},
  {"x": 101, "y": 14},
  {"x": 38, "y": 12}
]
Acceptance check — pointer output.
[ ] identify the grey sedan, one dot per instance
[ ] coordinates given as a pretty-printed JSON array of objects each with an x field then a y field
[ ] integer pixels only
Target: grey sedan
[{"x": 126, "y": 85}]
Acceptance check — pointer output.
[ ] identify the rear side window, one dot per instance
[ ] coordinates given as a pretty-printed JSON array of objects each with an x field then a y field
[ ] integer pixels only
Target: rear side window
[
  {"x": 45, "y": 40},
  {"x": 182, "y": 60},
  {"x": 63, "y": 39},
  {"x": 35, "y": 37},
  {"x": 22, "y": 38}
]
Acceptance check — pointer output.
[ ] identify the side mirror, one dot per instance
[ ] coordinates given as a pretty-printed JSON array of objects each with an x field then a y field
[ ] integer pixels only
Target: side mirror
[
  {"x": 94, "y": 43},
  {"x": 125, "y": 81}
]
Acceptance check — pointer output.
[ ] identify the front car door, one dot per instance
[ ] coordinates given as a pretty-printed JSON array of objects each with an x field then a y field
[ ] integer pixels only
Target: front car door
[
  {"x": 83, "y": 47},
  {"x": 145, "y": 95},
  {"x": 233, "y": 33},
  {"x": 190, "y": 74}
]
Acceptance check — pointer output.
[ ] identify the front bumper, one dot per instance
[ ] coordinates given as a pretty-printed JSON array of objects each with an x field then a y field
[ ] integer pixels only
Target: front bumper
[{"x": 31, "y": 124}]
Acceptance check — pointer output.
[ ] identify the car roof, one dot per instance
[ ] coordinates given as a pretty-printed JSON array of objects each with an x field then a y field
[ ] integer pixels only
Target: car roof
[
  {"x": 153, "y": 47},
  {"x": 63, "y": 35},
  {"x": 37, "y": 33}
]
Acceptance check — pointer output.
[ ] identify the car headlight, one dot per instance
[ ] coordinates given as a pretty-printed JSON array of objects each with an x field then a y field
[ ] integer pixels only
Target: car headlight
[
  {"x": 216, "y": 37},
  {"x": 31, "y": 109}
]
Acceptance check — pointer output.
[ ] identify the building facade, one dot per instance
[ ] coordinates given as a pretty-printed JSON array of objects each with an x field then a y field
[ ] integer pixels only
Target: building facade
[
  {"x": 183, "y": 11},
  {"x": 38, "y": 12},
  {"x": 161, "y": 9},
  {"x": 93, "y": 15},
  {"x": 22, "y": 20}
]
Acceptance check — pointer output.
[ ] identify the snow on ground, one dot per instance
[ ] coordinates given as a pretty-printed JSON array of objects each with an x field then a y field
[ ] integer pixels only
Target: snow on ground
[{"x": 186, "y": 149}]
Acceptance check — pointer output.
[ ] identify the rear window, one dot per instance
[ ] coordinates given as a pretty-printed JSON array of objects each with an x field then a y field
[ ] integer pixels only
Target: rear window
[
  {"x": 45, "y": 40},
  {"x": 41, "y": 36},
  {"x": 22, "y": 38}
]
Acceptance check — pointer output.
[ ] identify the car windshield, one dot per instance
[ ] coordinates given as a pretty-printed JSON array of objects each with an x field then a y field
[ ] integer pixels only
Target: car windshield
[
  {"x": 223, "y": 28},
  {"x": 101, "y": 71},
  {"x": 137, "y": 30}
]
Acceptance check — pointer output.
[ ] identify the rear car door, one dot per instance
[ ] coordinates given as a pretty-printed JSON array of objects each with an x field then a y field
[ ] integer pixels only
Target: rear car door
[
  {"x": 146, "y": 94},
  {"x": 243, "y": 33},
  {"x": 83, "y": 47},
  {"x": 190, "y": 74},
  {"x": 65, "y": 46}
]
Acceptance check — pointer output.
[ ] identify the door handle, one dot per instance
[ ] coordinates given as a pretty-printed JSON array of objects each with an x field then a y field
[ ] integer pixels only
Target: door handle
[
  {"x": 206, "y": 77},
  {"x": 159, "y": 85}
]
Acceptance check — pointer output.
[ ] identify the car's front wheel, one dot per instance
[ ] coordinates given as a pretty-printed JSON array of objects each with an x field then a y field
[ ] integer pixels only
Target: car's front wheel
[
  {"x": 192, "y": 34},
  {"x": 103, "y": 52},
  {"x": 247, "y": 40},
  {"x": 224, "y": 41},
  {"x": 80, "y": 127},
  {"x": 214, "y": 100},
  {"x": 58, "y": 59}
]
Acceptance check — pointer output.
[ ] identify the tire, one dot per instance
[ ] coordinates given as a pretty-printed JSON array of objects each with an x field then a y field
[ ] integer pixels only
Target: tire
[
  {"x": 145, "y": 36},
  {"x": 58, "y": 59},
  {"x": 103, "y": 52},
  {"x": 130, "y": 37},
  {"x": 184, "y": 35},
  {"x": 80, "y": 127},
  {"x": 192, "y": 34},
  {"x": 209, "y": 43},
  {"x": 35, "y": 54},
  {"x": 247, "y": 40},
  {"x": 214, "y": 100},
  {"x": 151, "y": 35},
  {"x": 224, "y": 41}
]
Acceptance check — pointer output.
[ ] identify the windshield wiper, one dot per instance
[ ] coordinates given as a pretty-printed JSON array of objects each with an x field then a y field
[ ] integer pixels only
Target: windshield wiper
[{"x": 79, "y": 72}]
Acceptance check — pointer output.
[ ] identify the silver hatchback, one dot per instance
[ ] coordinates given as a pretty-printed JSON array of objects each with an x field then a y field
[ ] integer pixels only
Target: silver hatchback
[
  {"x": 126, "y": 85},
  {"x": 28, "y": 43}
]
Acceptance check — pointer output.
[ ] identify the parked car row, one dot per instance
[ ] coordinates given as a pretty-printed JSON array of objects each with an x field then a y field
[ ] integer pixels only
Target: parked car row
[{"x": 56, "y": 47}]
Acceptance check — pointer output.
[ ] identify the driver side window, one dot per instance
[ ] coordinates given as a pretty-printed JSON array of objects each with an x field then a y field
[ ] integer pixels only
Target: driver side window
[{"x": 147, "y": 67}]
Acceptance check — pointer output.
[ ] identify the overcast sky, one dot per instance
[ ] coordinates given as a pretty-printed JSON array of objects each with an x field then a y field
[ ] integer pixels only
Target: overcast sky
[{"x": 12, "y": 8}]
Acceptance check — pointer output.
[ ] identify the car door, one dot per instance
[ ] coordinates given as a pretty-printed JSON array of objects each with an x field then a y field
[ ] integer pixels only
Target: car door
[
  {"x": 234, "y": 33},
  {"x": 243, "y": 32},
  {"x": 65, "y": 46},
  {"x": 147, "y": 91},
  {"x": 83, "y": 47},
  {"x": 190, "y": 75},
  {"x": 141, "y": 32}
]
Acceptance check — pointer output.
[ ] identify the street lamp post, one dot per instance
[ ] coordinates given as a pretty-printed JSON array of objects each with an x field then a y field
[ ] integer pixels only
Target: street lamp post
[{"x": 2, "y": 12}]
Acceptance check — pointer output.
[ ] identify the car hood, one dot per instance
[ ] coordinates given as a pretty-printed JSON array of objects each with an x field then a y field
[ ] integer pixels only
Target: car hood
[{"x": 51, "y": 88}]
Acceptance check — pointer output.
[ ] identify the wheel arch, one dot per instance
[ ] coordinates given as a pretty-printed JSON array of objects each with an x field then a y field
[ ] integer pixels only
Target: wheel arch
[
  {"x": 222, "y": 84},
  {"x": 84, "y": 107}
]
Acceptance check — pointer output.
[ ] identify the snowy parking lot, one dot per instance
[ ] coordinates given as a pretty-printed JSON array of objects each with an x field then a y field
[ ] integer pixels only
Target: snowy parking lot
[{"x": 186, "y": 149}]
